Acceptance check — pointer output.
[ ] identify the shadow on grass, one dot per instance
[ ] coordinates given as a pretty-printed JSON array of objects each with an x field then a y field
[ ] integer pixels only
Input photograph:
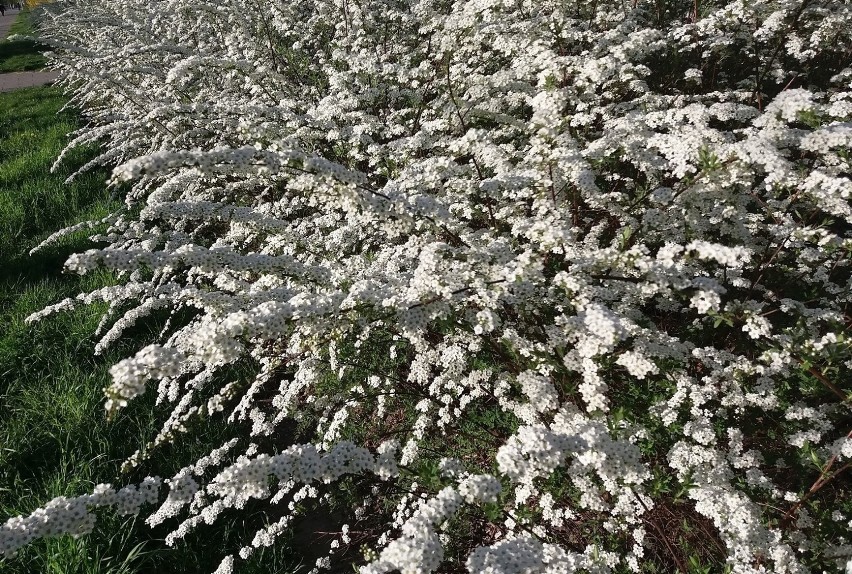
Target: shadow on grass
[
  {"x": 21, "y": 55},
  {"x": 13, "y": 48}
]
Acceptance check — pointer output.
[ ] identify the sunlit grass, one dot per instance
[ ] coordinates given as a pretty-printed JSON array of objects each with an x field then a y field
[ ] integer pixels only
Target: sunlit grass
[{"x": 54, "y": 437}]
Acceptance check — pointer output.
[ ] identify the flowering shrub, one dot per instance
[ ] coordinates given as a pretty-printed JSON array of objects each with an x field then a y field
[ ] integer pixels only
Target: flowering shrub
[{"x": 542, "y": 286}]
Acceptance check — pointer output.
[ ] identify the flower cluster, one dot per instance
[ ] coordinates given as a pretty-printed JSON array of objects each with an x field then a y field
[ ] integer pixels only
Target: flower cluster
[
  {"x": 565, "y": 284},
  {"x": 73, "y": 516}
]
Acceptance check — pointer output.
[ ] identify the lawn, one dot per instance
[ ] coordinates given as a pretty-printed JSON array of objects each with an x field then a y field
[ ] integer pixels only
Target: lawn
[
  {"x": 21, "y": 55},
  {"x": 54, "y": 437},
  {"x": 52, "y": 429}
]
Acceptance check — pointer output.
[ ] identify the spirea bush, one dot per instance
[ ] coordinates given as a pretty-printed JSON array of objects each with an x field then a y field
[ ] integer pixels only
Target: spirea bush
[{"x": 522, "y": 286}]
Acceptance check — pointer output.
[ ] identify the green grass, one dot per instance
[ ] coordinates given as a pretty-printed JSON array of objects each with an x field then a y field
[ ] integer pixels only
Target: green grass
[
  {"x": 34, "y": 202},
  {"x": 55, "y": 440},
  {"x": 54, "y": 437},
  {"x": 21, "y": 55}
]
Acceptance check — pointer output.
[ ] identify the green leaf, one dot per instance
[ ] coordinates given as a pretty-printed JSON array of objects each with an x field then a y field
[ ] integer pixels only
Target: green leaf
[{"x": 493, "y": 512}]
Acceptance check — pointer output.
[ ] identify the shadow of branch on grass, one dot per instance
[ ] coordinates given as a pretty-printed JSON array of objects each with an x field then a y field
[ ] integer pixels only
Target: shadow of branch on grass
[{"x": 21, "y": 56}]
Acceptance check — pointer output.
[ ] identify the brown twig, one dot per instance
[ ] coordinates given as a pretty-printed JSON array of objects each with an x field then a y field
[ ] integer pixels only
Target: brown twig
[
  {"x": 824, "y": 478},
  {"x": 824, "y": 380},
  {"x": 761, "y": 74},
  {"x": 680, "y": 566}
]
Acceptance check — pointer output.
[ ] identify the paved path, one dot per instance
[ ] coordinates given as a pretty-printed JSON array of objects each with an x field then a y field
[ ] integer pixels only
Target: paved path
[
  {"x": 6, "y": 22},
  {"x": 16, "y": 80}
]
